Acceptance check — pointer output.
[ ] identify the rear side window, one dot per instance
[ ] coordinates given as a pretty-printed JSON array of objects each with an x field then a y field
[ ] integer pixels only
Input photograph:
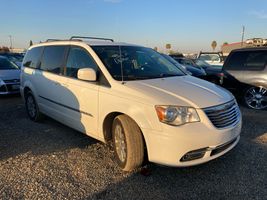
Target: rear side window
[
  {"x": 53, "y": 58},
  {"x": 236, "y": 61},
  {"x": 32, "y": 57},
  {"x": 256, "y": 60}
]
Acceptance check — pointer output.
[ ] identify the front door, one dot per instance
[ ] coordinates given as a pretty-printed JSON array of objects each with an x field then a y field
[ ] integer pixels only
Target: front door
[{"x": 82, "y": 98}]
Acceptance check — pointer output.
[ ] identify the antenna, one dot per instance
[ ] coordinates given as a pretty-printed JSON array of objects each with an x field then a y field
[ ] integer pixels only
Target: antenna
[{"x": 122, "y": 81}]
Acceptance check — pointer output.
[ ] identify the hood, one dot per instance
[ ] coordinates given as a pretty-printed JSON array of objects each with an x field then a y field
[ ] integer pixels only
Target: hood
[
  {"x": 213, "y": 70},
  {"x": 9, "y": 74},
  {"x": 195, "y": 71},
  {"x": 181, "y": 90}
]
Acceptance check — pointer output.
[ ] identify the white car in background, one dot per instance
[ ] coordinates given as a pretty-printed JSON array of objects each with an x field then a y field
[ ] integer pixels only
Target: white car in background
[
  {"x": 132, "y": 96},
  {"x": 9, "y": 77},
  {"x": 213, "y": 58}
]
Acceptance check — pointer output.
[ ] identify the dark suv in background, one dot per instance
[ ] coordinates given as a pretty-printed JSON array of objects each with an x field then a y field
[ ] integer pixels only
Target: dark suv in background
[{"x": 245, "y": 74}]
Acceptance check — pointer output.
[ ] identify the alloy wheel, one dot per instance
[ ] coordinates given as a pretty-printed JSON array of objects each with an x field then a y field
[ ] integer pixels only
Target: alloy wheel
[
  {"x": 120, "y": 143},
  {"x": 31, "y": 107},
  {"x": 256, "y": 98}
]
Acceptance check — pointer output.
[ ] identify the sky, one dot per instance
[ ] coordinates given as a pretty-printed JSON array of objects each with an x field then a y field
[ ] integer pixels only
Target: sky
[{"x": 188, "y": 25}]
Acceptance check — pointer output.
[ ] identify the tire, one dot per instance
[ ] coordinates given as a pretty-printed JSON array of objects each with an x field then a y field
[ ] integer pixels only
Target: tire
[
  {"x": 128, "y": 143},
  {"x": 32, "y": 108},
  {"x": 255, "y": 97}
]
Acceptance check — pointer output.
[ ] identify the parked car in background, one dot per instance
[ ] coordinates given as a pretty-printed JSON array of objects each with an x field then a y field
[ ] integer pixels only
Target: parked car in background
[
  {"x": 245, "y": 74},
  {"x": 133, "y": 96},
  {"x": 214, "y": 74},
  {"x": 181, "y": 67},
  {"x": 9, "y": 77},
  {"x": 14, "y": 57},
  {"x": 209, "y": 73},
  {"x": 199, "y": 73},
  {"x": 213, "y": 58}
]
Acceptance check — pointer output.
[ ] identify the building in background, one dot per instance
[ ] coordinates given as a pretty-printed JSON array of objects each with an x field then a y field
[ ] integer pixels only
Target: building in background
[{"x": 254, "y": 42}]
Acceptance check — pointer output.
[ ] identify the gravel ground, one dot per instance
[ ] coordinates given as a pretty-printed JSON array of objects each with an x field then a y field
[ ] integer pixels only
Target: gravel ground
[{"x": 51, "y": 161}]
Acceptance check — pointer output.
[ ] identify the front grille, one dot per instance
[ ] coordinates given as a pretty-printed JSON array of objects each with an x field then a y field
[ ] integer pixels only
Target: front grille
[
  {"x": 12, "y": 81},
  {"x": 12, "y": 88},
  {"x": 224, "y": 115},
  {"x": 2, "y": 88}
]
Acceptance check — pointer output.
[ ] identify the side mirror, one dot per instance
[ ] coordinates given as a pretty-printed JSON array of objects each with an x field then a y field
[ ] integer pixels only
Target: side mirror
[{"x": 87, "y": 74}]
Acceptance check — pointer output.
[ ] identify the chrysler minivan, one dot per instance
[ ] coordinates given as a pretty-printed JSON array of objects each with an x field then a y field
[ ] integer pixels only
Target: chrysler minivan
[{"x": 130, "y": 95}]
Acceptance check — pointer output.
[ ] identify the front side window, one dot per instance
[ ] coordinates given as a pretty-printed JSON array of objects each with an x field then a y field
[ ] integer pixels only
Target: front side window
[
  {"x": 52, "y": 59},
  {"x": 256, "y": 60},
  {"x": 32, "y": 57},
  {"x": 5, "y": 64},
  {"x": 78, "y": 58},
  {"x": 236, "y": 61},
  {"x": 133, "y": 63}
]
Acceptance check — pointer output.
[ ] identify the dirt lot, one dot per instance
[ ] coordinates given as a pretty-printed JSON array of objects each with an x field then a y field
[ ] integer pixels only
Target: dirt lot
[{"x": 51, "y": 161}]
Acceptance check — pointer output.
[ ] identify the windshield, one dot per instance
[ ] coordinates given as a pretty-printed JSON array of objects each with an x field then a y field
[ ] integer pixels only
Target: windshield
[
  {"x": 135, "y": 63},
  {"x": 202, "y": 63},
  {"x": 6, "y": 64},
  {"x": 210, "y": 57}
]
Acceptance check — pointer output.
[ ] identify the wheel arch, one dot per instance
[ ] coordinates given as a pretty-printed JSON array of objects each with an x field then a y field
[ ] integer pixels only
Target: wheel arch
[{"x": 107, "y": 124}]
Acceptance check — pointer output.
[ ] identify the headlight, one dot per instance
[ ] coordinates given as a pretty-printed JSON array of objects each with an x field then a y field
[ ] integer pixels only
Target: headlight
[
  {"x": 177, "y": 115},
  {"x": 2, "y": 82}
]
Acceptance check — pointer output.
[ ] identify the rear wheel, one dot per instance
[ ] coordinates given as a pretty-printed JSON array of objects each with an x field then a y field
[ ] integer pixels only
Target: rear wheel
[
  {"x": 32, "y": 108},
  {"x": 256, "y": 98},
  {"x": 128, "y": 143}
]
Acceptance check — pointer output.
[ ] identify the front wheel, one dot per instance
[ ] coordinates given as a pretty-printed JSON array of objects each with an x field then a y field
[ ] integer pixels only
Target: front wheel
[
  {"x": 128, "y": 143},
  {"x": 256, "y": 98}
]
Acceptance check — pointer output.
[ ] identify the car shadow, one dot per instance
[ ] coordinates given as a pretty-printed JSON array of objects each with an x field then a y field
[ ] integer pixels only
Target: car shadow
[{"x": 20, "y": 135}]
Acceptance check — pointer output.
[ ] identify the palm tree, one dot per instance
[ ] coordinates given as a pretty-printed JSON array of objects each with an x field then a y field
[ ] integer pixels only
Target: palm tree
[{"x": 214, "y": 44}]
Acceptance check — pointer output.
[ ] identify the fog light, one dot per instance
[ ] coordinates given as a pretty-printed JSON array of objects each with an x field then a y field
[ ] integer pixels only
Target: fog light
[{"x": 193, "y": 155}]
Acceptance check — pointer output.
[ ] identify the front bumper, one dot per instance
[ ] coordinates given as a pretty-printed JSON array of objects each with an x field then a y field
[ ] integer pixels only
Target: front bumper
[{"x": 171, "y": 145}]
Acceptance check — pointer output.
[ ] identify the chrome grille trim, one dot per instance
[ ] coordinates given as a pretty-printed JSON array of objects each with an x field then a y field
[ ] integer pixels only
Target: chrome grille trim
[{"x": 223, "y": 116}]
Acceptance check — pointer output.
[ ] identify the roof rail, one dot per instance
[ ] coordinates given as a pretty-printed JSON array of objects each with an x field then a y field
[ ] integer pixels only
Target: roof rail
[
  {"x": 51, "y": 40},
  {"x": 92, "y": 38}
]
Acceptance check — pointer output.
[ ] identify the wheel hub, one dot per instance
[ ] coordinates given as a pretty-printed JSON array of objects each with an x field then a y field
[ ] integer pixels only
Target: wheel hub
[
  {"x": 120, "y": 143},
  {"x": 31, "y": 106},
  {"x": 256, "y": 98}
]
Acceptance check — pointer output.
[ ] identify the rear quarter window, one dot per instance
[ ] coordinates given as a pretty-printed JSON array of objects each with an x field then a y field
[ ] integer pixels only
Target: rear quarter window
[
  {"x": 256, "y": 61},
  {"x": 32, "y": 57}
]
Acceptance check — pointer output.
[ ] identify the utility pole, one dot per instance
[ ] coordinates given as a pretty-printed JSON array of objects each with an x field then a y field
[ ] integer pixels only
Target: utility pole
[
  {"x": 243, "y": 33},
  {"x": 10, "y": 38}
]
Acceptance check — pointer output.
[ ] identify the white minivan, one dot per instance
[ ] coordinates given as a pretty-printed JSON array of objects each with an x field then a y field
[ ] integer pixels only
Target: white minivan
[{"x": 132, "y": 96}]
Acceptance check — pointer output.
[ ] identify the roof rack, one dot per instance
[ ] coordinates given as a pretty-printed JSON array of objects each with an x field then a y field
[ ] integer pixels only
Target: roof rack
[
  {"x": 51, "y": 40},
  {"x": 92, "y": 38}
]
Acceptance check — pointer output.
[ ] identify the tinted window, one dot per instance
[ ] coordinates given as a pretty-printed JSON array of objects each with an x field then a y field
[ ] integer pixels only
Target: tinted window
[
  {"x": 78, "y": 58},
  {"x": 6, "y": 64},
  {"x": 53, "y": 58},
  {"x": 256, "y": 60},
  {"x": 32, "y": 57},
  {"x": 236, "y": 61}
]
